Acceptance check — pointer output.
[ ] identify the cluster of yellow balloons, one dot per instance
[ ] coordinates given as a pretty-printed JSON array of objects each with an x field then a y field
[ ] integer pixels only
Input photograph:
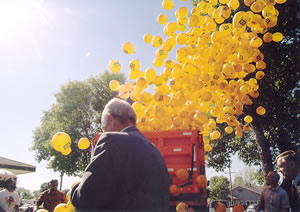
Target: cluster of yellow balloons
[
  {"x": 206, "y": 85},
  {"x": 61, "y": 142}
]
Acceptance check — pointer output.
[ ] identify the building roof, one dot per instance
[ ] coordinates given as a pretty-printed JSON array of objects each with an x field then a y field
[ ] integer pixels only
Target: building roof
[
  {"x": 15, "y": 167},
  {"x": 257, "y": 190}
]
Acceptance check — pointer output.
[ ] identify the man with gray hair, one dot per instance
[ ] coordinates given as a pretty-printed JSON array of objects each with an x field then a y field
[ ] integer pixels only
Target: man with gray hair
[{"x": 126, "y": 172}]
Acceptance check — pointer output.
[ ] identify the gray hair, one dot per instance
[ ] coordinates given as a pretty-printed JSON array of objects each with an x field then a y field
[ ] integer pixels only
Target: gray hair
[{"x": 118, "y": 108}]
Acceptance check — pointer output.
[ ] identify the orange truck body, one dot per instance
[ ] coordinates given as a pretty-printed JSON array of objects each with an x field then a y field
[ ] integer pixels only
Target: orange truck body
[{"x": 183, "y": 149}]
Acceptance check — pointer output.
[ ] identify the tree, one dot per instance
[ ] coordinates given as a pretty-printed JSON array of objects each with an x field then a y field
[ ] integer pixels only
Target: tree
[
  {"x": 238, "y": 180},
  {"x": 77, "y": 112},
  {"x": 44, "y": 186},
  {"x": 249, "y": 177},
  {"x": 219, "y": 188},
  {"x": 278, "y": 129}
]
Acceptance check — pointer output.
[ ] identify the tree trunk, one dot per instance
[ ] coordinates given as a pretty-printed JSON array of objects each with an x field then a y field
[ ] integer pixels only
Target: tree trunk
[{"x": 264, "y": 149}]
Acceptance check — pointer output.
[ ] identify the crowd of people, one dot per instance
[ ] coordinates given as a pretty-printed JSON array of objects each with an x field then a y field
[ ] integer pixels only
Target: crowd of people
[{"x": 128, "y": 173}]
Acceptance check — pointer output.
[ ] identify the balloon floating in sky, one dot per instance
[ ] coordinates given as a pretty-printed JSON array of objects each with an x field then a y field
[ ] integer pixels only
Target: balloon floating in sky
[
  {"x": 61, "y": 142},
  {"x": 128, "y": 48},
  {"x": 214, "y": 74},
  {"x": 114, "y": 66}
]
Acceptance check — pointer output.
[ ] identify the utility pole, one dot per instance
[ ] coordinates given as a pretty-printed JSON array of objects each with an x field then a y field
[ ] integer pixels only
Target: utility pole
[
  {"x": 231, "y": 197},
  {"x": 61, "y": 180}
]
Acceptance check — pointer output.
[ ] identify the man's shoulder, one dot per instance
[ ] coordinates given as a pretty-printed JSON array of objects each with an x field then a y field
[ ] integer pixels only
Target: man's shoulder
[{"x": 108, "y": 137}]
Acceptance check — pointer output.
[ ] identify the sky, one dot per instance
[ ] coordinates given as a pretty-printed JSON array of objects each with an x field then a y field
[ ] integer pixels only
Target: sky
[{"x": 46, "y": 43}]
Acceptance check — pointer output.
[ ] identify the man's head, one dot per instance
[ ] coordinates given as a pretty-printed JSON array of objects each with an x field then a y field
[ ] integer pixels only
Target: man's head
[
  {"x": 288, "y": 164},
  {"x": 117, "y": 115},
  {"x": 53, "y": 184},
  {"x": 272, "y": 178},
  {"x": 11, "y": 184}
]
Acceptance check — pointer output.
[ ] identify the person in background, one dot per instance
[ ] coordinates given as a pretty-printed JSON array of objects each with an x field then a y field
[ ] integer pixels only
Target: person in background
[
  {"x": 288, "y": 164},
  {"x": 9, "y": 198},
  {"x": 273, "y": 197},
  {"x": 51, "y": 197},
  {"x": 126, "y": 172}
]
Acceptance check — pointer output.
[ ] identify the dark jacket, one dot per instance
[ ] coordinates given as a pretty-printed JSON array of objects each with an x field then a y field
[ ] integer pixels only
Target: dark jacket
[
  {"x": 126, "y": 173},
  {"x": 295, "y": 198}
]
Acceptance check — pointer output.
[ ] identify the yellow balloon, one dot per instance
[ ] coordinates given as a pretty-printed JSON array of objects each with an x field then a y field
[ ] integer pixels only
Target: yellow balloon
[
  {"x": 148, "y": 38},
  {"x": 260, "y": 110},
  {"x": 234, "y": 4},
  {"x": 169, "y": 64},
  {"x": 162, "y": 19},
  {"x": 145, "y": 97},
  {"x": 150, "y": 75},
  {"x": 133, "y": 75},
  {"x": 182, "y": 12},
  {"x": 206, "y": 96},
  {"x": 42, "y": 210},
  {"x": 68, "y": 195},
  {"x": 207, "y": 148},
  {"x": 124, "y": 92},
  {"x": 83, "y": 143},
  {"x": 61, "y": 141},
  {"x": 134, "y": 65},
  {"x": 228, "y": 130},
  {"x": 161, "y": 53},
  {"x": 280, "y": 1},
  {"x": 193, "y": 20},
  {"x": 259, "y": 75},
  {"x": 168, "y": 4},
  {"x": 256, "y": 42},
  {"x": 141, "y": 83},
  {"x": 157, "y": 62},
  {"x": 114, "y": 66},
  {"x": 268, "y": 37},
  {"x": 240, "y": 19},
  {"x": 277, "y": 37},
  {"x": 268, "y": 10},
  {"x": 171, "y": 27},
  {"x": 248, "y": 119},
  {"x": 114, "y": 85},
  {"x": 215, "y": 135},
  {"x": 182, "y": 38},
  {"x": 182, "y": 207},
  {"x": 161, "y": 97},
  {"x": 67, "y": 151},
  {"x": 201, "y": 118},
  {"x": 62, "y": 207},
  {"x": 157, "y": 41},
  {"x": 257, "y": 6},
  {"x": 70, "y": 206},
  {"x": 137, "y": 107},
  {"x": 128, "y": 48},
  {"x": 248, "y": 2},
  {"x": 212, "y": 124}
]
